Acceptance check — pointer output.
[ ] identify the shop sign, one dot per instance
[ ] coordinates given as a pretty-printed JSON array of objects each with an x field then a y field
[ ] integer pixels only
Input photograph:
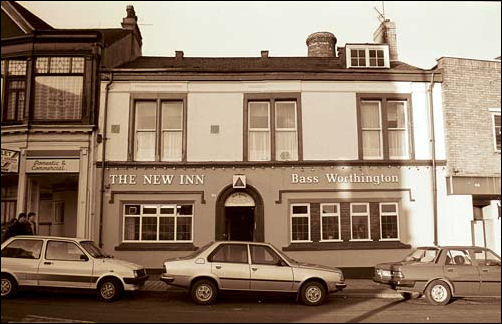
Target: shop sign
[
  {"x": 336, "y": 178},
  {"x": 52, "y": 165},
  {"x": 10, "y": 161},
  {"x": 156, "y": 179}
]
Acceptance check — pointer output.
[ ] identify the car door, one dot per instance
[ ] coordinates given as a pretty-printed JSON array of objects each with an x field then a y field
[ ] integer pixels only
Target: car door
[
  {"x": 230, "y": 263},
  {"x": 269, "y": 272},
  {"x": 22, "y": 257},
  {"x": 65, "y": 264},
  {"x": 461, "y": 272},
  {"x": 488, "y": 264}
]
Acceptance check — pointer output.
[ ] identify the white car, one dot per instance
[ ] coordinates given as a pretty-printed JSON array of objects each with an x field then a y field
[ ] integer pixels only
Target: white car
[
  {"x": 250, "y": 266},
  {"x": 44, "y": 261}
]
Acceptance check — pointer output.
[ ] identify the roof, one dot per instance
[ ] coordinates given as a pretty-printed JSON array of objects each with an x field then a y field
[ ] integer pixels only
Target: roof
[
  {"x": 111, "y": 35},
  {"x": 451, "y": 247},
  {"x": 34, "y": 21},
  {"x": 51, "y": 237}
]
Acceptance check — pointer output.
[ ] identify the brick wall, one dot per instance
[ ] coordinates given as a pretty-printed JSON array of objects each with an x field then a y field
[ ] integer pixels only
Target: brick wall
[{"x": 470, "y": 88}]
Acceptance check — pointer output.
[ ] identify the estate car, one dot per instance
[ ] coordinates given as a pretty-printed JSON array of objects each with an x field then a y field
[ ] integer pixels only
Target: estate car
[
  {"x": 444, "y": 272},
  {"x": 250, "y": 266},
  {"x": 40, "y": 261}
]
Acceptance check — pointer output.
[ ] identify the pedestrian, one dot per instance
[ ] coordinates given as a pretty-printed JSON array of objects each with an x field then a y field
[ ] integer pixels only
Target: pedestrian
[
  {"x": 24, "y": 225},
  {"x": 9, "y": 229},
  {"x": 16, "y": 226},
  {"x": 33, "y": 224}
]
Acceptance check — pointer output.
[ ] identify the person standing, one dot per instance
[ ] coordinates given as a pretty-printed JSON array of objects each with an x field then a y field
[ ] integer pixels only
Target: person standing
[
  {"x": 16, "y": 226},
  {"x": 33, "y": 224},
  {"x": 24, "y": 227}
]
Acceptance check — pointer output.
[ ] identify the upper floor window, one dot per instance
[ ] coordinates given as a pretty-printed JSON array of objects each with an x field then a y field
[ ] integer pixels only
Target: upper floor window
[
  {"x": 367, "y": 56},
  {"x": 496, "y": 131},
  {"x": 59, "y": 83},
  {"x": 273, "y": 130},
  {"x": 14, "y": 89},
  {"x": 384, "y": 127},
  {"x": 159, "y": 130}
]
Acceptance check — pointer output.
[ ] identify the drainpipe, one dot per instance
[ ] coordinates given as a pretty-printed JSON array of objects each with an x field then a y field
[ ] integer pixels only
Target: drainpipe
[
  {"x": 434, "y": 181},
  {"x": 103, "y": 158}
]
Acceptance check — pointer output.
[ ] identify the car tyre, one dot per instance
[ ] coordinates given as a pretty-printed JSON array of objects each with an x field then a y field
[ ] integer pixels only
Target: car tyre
[
  {"x": 313, "y": 293},
  {"x": 9, "y": 286},
  {"x": 110, "y": 289},
  {"x": 204, "y": 292},
  {"x": 438, "y": 293}
]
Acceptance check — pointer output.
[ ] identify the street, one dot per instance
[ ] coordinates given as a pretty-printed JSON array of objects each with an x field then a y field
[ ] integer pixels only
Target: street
[{"x": 176, "y": 306}]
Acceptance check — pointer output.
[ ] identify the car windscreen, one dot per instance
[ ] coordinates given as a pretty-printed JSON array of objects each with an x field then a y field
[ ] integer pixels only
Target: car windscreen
[
  {"x": 422, "y": 255},
  {"x": 93, "y": 250},
  {"x": 198, "y": 251}
]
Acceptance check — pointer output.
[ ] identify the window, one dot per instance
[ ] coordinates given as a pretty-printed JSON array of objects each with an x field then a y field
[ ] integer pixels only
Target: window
[
  {"x": 389, "y": 221},
  {"x": 384, "y": 127},
  {"x": 360, "y": 221},
  {"x": 64, "y": 251},
  {"x": 300, "y": 223},
  {"x": 458, "y": 257},
  {"x": 263, "y": 255},
  {"x": 485, "y": 258},
  {"x": 23, "y": 249},
  {"x": 159, "y": 130},
  {"x": 330, "y": 222},
  {"x": 14, "y": 89},
  {"x": 272, "y": 128},
  {"x": 496, "y": 131},
  {"x": 367, "y": 56},
  {"x": 159, "y": 222},
  {"x": 59, "y": 85},
  {"x": 231, "y": 253}
]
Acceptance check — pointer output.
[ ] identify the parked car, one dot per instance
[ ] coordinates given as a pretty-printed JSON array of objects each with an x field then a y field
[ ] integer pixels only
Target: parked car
[
  {"x": 441, "y": 273},
  {"x": 249, "y": 266},
  {"x": 41, "y": 261}
]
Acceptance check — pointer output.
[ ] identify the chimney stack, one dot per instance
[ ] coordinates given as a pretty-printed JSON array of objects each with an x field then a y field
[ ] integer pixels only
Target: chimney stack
[
  {"x": 179, "y": 55},
  {"x": 130, "y": 21},
  {"x": 386, "y": 33},
  {"x": 264, "y": 54},
  {"x": 321, "y": 44}
]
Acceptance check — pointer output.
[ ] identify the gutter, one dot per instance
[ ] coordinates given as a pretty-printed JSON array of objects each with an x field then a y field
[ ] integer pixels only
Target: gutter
[{"x": 434, "y": 175}]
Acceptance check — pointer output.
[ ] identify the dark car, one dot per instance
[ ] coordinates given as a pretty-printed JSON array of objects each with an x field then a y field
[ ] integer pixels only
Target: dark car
[{"x": 441, "y": 273}]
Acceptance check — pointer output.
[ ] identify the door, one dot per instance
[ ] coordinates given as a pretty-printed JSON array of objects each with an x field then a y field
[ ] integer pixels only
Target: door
[
  {"x": 268, "y": 271},
  {"x": 488, "y": 264},
  {"x": 22, "y": 257},
  {"x": 240, "y": 224},
  {"x": 65, "y": 265},
  {"x": 461, "y": 272},
  {"x": 229, "y": 262}
]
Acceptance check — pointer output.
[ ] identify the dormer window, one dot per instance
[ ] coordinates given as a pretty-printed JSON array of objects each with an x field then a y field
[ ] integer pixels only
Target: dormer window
[{"x": 367, "y": 56}]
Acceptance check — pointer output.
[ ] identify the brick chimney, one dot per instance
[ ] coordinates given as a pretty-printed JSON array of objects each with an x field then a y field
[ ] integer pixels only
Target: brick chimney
[
  {"x": 386, "y": 33},
  {"x": 130, "y": 21},
  {"x": 321, "y": 44}
]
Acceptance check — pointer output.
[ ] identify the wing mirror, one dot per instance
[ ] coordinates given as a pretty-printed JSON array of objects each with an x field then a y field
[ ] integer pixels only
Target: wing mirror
[{"x": 84, "y": 257}]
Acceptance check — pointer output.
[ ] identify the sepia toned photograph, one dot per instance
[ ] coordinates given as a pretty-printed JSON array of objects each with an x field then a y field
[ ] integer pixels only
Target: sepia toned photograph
[{"x": 250, "y": 162}]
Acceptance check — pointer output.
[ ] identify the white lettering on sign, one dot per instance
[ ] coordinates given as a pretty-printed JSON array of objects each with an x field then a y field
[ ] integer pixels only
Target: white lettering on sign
[
  {"x": 350, "y": 178},
  {"x": 156, "y": 179}
]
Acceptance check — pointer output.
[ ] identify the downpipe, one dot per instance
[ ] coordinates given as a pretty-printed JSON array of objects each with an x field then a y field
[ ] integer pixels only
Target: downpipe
[{"x": 434, "y": 173}]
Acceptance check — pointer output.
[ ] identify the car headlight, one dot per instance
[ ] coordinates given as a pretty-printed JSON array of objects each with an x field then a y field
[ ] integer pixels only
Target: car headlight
[
  {"x": 397, "y": 274},
  {"x": 136, "y": 273}
]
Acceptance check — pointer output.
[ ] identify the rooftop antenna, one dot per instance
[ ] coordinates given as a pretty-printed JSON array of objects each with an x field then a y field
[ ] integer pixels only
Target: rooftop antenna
[{"x": 381, "y": 15}]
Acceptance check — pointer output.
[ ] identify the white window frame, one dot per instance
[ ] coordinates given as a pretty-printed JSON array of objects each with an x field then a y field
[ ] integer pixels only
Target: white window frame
[
  {"x": 495, "y": 112},
  {"x": 299, "y": 216},
  {"x": 158, "y": 215},
  {"x": 170, "y": 130},
  {"x": 326, "y": 215},
  {"x": 396, "y": 214},
  {"x": 367, "y": 214},
  {"x": 145, "y": 130},
  {"x": 277, "y": 130},
  {"x": 406, "y": 130},
  {"x": 269, "y": 130},
  {"x": 380, "y": 129},
  {"x": 367, "y": 48}
]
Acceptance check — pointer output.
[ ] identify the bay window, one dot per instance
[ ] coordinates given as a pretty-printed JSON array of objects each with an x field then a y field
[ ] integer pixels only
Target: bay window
[{"x": 14, "y": 90}]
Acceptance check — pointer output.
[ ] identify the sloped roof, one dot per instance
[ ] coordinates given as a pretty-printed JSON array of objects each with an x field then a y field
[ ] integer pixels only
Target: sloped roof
[
  {"x": 34, "y": 21},
  {"x": 111, "y": 35}
]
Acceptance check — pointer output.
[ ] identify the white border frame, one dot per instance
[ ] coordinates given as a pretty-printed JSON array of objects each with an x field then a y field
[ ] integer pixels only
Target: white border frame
[
  {"x": 337, "y": 214},
  {"x": 298, "y": 216},
  {"x": 396, "y": 214},
  {"x": 406, "y": 130},
  {"x": 367, "y": 47},
  {"x": 269, "y": 130},
  {"x": 277, "y": 130},
  {"x": 367, "y": 214},
  {"x": 380, "y": 157}
]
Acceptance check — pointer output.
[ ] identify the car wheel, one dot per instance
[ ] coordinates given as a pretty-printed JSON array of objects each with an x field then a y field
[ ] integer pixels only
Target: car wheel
[
  {"x": 438, "y": 293},
  {"x": 110, "y": 289},
  {"x": 204, "y": 292},
  {"x": 313, "y": 293},
  {"x": 9, "y": 286}
]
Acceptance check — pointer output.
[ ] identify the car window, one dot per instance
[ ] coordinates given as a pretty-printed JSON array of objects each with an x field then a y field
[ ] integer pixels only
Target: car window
[
  {"x": 263, "y": 255},
  {"x": 233, "y": 253},
  {"x": 422, "y": 255},
  {"x": 23, "y": 249},
  {"x": 63, "y": 251},
  {"x": 458, "y": 257},
  {"x": 486, "y": 258}
]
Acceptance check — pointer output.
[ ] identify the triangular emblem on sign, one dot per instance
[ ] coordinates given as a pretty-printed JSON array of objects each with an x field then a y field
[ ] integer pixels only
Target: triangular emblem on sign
[{"x": 239, "y": 181}]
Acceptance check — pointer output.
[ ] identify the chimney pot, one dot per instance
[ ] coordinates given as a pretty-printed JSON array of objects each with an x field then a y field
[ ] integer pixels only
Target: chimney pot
[
  {"x": 264, "y": 54},
  {"x": 386, "y": 33},
  {"x": 179, "y": 55},
  {"x": 130, "y": 21},
  {"x": 321, "y": 44}
]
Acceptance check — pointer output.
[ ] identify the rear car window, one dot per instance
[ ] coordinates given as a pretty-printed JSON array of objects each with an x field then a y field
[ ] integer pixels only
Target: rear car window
[
  {"x": 23, "y": 249},
  {"x": 233, "y": 253}
]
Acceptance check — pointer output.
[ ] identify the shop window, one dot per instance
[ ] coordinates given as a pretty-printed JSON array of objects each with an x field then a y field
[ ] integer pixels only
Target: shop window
[
  {"x": 496, "y": 131},
  {"x": 367, "y": 56},
  {"x": 300, "y": 223},
  {"x": 158, "y": 223},
  {"x": 360, "y": 221},
  {"x": 59, "y": 85},
  {"x": 384, "y": 128},
  {"x": 330, "y": 222},
  {"x": 389, "y": 221},
  {"x": 14, "y": 89},
  {"x": 159, "y": 130}
]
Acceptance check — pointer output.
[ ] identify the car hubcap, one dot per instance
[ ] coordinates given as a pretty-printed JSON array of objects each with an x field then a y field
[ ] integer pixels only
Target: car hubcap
[
  {"x": 439, "y": 293},
  {"x": 6, "y": 287},
  {"x": 313, "y": 294},
  {"x": 204, "y": 293},
  {"x": 108, "y": 290}
]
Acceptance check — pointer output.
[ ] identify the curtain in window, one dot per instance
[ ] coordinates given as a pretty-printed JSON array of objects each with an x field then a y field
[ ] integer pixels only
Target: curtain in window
[
  {"x": 172, "y": 130},
  {"x": 371, "y": 129},
  {"x": 397, "y": 129},
  {"x": 58, "y": 97},
  {"x": 172, "y": 142},
  {"x": 259, "y": 131},
  {"x": 146, "y": 117},
  {"x": 286, "y": 146}
]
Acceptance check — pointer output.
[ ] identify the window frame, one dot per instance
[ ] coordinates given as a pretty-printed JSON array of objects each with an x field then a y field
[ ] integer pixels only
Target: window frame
[
  {"x": 494, "y": 114},
  {"x": 272, "y": 98},
  {"x": 367, "y": 47},
  {"x": 277, "y": 129},
  {"x": 7, "y": 79},
  {"x": 358, "y": 214},
  {"x": 326, "y": 215},
  {"x": 291, "y": 216},
  {"x": 379, "y": 129},
  {"x": 221, "y": 246},
  {"x": 61, "y": 241},
  {"x": 396, "y": 214}
]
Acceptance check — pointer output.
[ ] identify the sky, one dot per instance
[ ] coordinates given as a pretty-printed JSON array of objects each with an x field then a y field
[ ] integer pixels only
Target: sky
[{"x": 426, "y": 31}]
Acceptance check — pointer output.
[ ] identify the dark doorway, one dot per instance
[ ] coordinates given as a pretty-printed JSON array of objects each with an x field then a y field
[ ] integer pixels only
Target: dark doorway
[{"x": 239, "y": 223}]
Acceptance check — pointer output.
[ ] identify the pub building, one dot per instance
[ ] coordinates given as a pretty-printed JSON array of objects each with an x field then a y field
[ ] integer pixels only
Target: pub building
[
  {"x": 49, "y": 101},
  {"x": 328, "y": 157}
]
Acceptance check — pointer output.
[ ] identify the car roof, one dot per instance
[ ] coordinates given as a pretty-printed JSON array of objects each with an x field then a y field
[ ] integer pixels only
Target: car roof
[
  {"x": 451, "y": 247},
  {"x": 43, "y": 237}
]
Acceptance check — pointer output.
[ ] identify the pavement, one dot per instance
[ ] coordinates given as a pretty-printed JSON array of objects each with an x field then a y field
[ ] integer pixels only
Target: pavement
[{"x": 355, "y": 288}]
